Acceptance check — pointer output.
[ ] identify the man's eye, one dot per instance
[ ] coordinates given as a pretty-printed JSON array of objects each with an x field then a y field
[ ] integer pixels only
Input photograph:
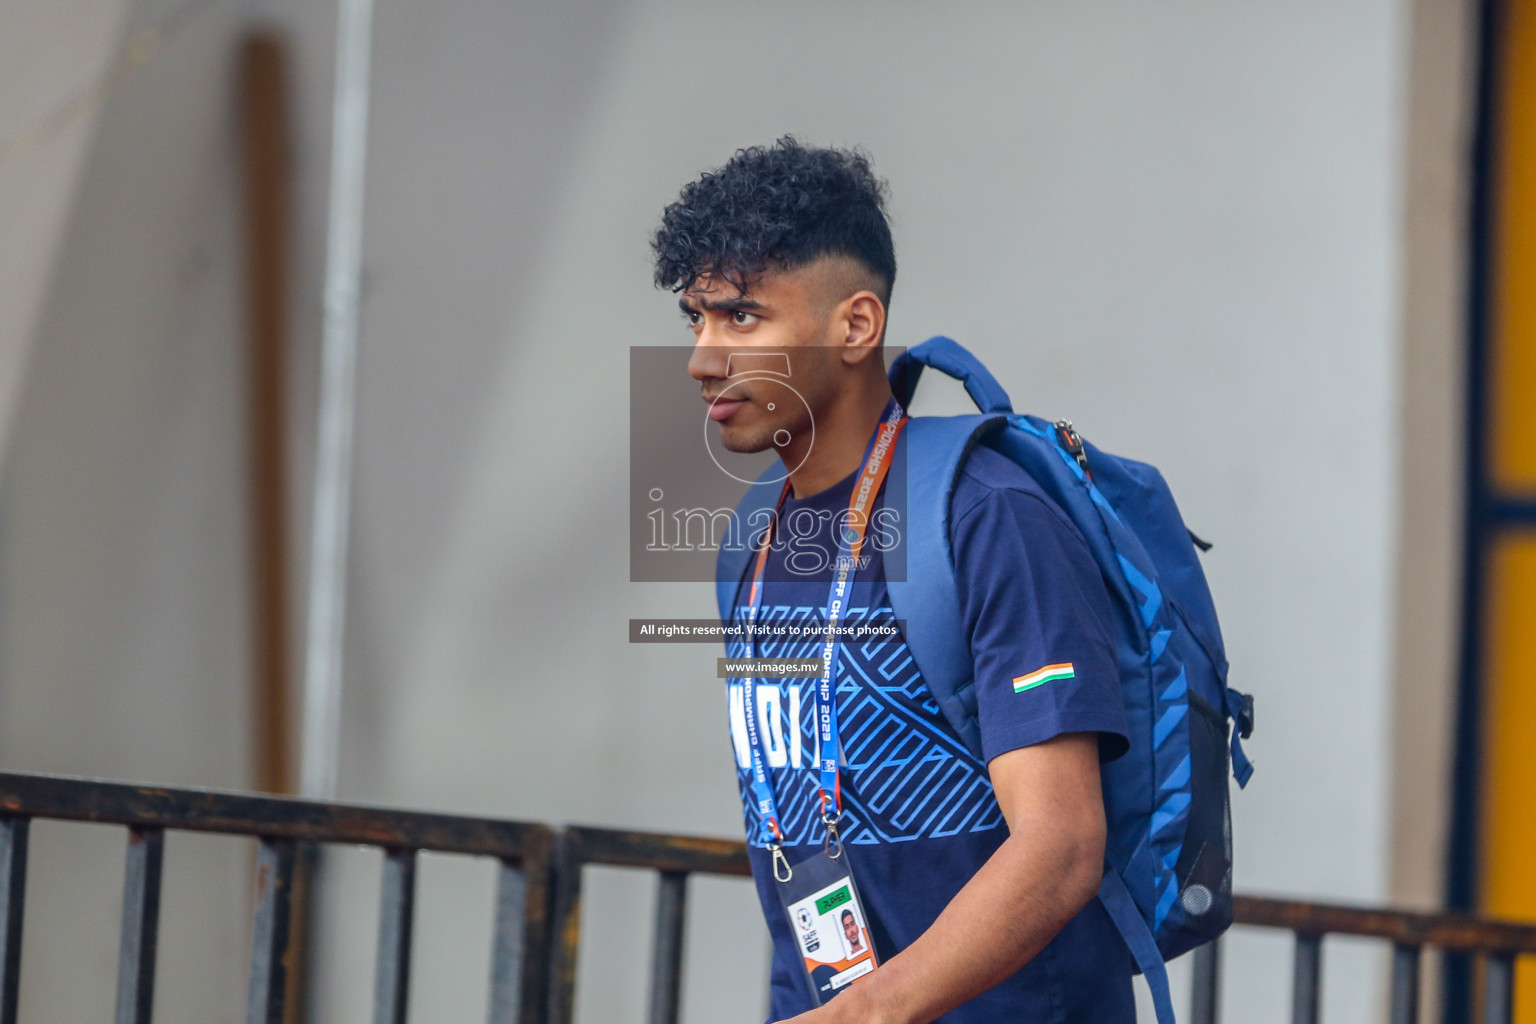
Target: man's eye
[
  {"x": 742, "y": 318},
  {"x": 693, "y": 318}
]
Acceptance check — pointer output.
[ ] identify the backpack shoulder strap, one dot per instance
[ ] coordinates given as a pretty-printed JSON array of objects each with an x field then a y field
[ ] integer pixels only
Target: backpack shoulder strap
[
  {"x": 1132, "y": 927},
  {"x": 931, "y": 452}
]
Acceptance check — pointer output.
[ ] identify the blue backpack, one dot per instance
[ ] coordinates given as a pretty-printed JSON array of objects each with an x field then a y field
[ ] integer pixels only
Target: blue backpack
[{"x": 1168, "y": 876}]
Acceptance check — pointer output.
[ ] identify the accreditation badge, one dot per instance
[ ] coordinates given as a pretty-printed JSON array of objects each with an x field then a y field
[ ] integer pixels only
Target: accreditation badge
[{"x": 829, "y": 923}]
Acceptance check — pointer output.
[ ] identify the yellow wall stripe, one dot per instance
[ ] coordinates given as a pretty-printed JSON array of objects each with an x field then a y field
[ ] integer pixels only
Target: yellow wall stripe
[
  {"x": 1509, "y": 779},
  {"x": 1508, "y": 840},
  {"x": 1512, "y": 354}
]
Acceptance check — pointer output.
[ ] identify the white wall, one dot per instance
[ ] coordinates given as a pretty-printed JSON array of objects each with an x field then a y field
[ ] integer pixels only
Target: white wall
[
  {"x": 51, "y": 55},
  {"x": 1178, "y": 224},
  {"x": 122, "y": 617}
]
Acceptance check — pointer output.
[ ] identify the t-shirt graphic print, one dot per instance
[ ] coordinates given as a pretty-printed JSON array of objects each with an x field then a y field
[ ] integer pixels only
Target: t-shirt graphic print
[{"x": 919, "y": 816}]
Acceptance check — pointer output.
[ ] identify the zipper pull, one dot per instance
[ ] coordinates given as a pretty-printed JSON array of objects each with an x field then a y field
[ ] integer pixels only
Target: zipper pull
[{"x": 1072, "y": 442}]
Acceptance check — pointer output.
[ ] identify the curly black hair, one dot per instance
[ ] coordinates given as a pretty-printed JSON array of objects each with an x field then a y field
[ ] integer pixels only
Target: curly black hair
[{"x": 780, "y": 206}]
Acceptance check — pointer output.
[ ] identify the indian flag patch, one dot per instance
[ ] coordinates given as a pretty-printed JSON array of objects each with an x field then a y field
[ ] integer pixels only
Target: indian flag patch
[{"x": 1049, "y": 674}]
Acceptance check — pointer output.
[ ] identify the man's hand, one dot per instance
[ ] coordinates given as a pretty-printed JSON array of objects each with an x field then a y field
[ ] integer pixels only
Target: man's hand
[{"x": 1043, "y": 874}]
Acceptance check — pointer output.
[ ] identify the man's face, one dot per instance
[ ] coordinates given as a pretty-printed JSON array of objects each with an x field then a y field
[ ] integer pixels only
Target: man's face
[
  {"x": 764, "y": 356},
  {"x": 851, "y": 929}
]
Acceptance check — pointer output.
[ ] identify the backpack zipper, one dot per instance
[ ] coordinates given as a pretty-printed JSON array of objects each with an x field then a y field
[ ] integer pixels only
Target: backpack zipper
[{"x": 1072, "y": 442}]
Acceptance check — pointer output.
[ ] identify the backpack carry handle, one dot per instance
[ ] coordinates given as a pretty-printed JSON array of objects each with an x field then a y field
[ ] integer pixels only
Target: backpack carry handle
[{"x": 947, "y": 356}]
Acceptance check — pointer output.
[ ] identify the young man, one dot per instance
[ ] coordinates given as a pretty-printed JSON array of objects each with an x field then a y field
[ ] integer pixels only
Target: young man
[{"x": 976, "y": 878}]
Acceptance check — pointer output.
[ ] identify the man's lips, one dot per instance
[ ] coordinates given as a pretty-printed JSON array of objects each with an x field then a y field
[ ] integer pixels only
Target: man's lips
[{"x": 721, "y": 408}]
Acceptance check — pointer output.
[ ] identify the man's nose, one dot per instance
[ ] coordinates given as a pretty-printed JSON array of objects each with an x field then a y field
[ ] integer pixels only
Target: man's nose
[{"x": 708, "y": 359}]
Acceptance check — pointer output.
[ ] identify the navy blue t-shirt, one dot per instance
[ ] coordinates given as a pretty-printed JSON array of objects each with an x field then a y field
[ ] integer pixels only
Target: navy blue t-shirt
[{"x": 919, "y": 815}]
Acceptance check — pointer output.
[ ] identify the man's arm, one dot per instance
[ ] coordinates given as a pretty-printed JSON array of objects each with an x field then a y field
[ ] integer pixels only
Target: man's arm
[{"x": 1043, "y": 874}]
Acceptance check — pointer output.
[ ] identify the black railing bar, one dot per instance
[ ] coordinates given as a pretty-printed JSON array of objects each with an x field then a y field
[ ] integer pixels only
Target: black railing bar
[
  {"x": 1499, "y": 989},
  {"x": 576, "y": 846},
  {"x": 663, "y": 852},
  {"x": 278, "y": 821},
  {"x": 667, "y": 947},
  {"x": 13, "y": 898},
  {"x": 521, "y": 943},
  {"x": 538, "y": 930},
  {"x": 141, "y": 926},
  {"x": 1307, "y": 978},
  {"x": 397, "y": 903},
  {"x": 1205, "y": 991},
  {"x": 1404, "y": 1008},
  {"x": 565, "y": 925},
  {"x": 657, "y": 851},
  {"x": 210, "y": 810},
  {"x": 507, "y": 953},
  {"x": 269, "y": 945},
  {"x": 1445, "y": 931}
]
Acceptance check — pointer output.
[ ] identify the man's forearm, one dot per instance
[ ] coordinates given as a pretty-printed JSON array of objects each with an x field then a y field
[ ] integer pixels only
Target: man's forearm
[
  {"x": 1009, "y": 910},
  {"x": 1038, "y": 879}
]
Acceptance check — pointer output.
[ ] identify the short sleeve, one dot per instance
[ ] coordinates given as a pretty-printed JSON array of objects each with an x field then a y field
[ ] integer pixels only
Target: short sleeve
[{"x": 1037, "y": 613}]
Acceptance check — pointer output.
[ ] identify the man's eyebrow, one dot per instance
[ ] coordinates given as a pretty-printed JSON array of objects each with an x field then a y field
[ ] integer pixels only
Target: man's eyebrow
[{"x": 741, "y": 303}]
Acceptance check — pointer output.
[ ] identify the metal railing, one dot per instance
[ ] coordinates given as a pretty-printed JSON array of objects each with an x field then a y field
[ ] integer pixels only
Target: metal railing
[
  {"x": 1497, "y": 943},
  {"x": 282, "y": 826},
  {"x": 674, "y": 858},
  {"x": 537, "y": 929}
]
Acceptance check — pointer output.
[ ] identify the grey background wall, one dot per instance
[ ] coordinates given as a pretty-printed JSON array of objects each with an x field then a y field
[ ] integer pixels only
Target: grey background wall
[{"x": 1181, "y": 225}]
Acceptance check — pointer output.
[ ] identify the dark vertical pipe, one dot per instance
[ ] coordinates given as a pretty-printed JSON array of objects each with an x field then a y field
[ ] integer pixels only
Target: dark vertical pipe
[
  {"x": 1307, "y": 979},
  {"x": 266, "y": 280},
  {"x": 1499, "y": 989},
  {"x": 1205, "y": 996},
  {"x": 392, "y": 976},
  {"x": 141, "y": 926},
  {"x": 1464, "y": 827},
  {"x": 1405, "y": 985},
  {"x": 13, "y": 895},
  {"x": 269, "y": 945},
  {"x": 667, "y": 951},
  {"x": 265, "y": 123}
]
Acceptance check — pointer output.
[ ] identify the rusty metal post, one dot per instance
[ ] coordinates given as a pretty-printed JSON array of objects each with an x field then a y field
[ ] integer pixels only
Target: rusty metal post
[
  {"x": 1307, "y": 979},
  {"x": 141, "y": 926},
  {"x": 269, "y": 945},
  {"x": 1405, "y": 985},
  {"x": 521, "y": 941},
  {"x": 667, "y": 952},
  {"x": 1205, "y": 994},
  {"x": 565, "y": 927},
  {"x": 13, "y": 898},
  {"x": 397, "y": 905},
  {"x": 1499, "y": 988}
]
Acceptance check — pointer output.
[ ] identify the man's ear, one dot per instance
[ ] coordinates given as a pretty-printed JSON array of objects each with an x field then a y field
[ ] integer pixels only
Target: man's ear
[{"x": 861, "y": 320}]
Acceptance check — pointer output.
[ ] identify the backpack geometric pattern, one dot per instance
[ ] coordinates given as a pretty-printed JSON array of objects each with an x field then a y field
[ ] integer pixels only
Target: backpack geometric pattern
[{"x": 1168, "y": 877}]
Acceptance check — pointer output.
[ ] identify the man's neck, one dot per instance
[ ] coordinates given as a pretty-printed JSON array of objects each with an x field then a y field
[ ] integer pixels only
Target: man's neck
[{"x": 841, "y": 438}]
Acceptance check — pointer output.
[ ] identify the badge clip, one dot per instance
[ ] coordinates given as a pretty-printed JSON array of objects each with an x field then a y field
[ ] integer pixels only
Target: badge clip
[
  {"x": 782, "y": 862},
  {"x": 833, "y": 847}
]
